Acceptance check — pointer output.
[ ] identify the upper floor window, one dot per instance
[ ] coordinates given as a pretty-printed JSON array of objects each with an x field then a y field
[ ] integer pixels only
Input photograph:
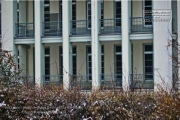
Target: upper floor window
[
  {"x": 147, "y": 11},
  {"x": 74, "y": 13},
  {"x": 118, "y": 13},
  {"x": 89, "y": 13}
]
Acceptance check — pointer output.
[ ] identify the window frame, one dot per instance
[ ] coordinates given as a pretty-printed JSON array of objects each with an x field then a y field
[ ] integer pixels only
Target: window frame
[
  {"x": 144, "y": 17},
  {"x": 87, "y": 63},
  {"x": 102, "y": 63},
  {"x": 47, "y": 55},
  {"x": 144, "y": 60},
  {"x": 60, "y": 61},
  {"x": 115, "y": 12},
  {"x": 74, "y": 54},
  {"x": 115, "y": 58},
  {"x": 88, "y": 2}
]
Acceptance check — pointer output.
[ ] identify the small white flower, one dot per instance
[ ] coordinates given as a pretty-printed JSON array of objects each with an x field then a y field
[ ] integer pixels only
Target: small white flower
[{"x": 2, "y": 104}]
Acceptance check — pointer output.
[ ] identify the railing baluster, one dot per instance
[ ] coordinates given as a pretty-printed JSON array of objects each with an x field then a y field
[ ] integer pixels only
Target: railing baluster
[
  {"x": 52, "y": 28},
  {"x": 24, "y": 30},
  {"x": 141, "y": 25}
]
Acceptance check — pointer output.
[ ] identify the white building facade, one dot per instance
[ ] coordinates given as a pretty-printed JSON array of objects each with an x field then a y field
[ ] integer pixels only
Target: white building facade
[{"x": 93, "y": 43}]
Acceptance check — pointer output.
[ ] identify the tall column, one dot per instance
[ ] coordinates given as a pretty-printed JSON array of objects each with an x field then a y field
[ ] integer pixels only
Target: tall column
[
  {"x": 22, "y": 11},
  {"x": 126, "y": 45},
  {"x": 178, "y": 29},
  {"x": 39, "y": 64},
  {"x": 66, "y": 11},
  {"x": 95, "y": 44},
  {"x": 22, "y": 58},
  {"x": 22, "y": 48},
  {"x": 8, "y": 20},
  {"x": 162, "y": 34}
]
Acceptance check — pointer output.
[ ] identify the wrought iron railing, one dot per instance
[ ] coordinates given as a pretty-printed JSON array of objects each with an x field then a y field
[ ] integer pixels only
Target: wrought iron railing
[
  {"x": 81, "y": 27},
  {"x": 52, "y": 79},
  {"x": 142, "y": 81},
  {"x": 141, "y": 25},
  {"x": 109, "y": 26},
  {"x": 26, "y": 80},
  {"x": 24, "y": 30},
  {"x": 52, "y": 28},
  {"x": 82, "y": 82},
  {"x": 111, "y": 81}
]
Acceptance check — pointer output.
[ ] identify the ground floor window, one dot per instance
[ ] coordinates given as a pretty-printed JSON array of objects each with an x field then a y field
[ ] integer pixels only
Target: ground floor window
[
  {"x": 61, "y": 61},
  {"x": 47, "y": 64},
  {"x": 89, "y": 62},
  {"x": 102, "y": 62},
  {"x": 74, "y": 66},
  {"x": 148, "y": 62},
  {"x": 118, "y": 59},
  {"x": 118, "y": 65}
]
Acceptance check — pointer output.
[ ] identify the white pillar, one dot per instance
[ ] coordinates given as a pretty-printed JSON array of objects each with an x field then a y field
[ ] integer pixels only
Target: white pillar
[
  {"x": 8, "y": 20},
  {"x": 95, "y": 44},
  {"x": 22, "y": 11},
  {"x": 66, "y": 44},
  {"x": 126, "y": 45},
  {"x": 178, "y": 29},
  {"x": 22, "y": 58},
  {"x": 162, "y": 34},
  {"x": 39, "y": 57},
  {"x": 22, "y": 48}
]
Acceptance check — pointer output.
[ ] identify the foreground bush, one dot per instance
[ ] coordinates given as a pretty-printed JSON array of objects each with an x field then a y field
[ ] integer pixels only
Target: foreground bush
[
  {"x": 18, "y": 101},
  {"x": 52, "y": 102}
]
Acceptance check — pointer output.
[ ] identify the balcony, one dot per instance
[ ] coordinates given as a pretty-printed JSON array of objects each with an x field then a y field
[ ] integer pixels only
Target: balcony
[
  {"x": 80, "y": 27},
  {"x": 52, "y": 29},
  {"x": 142, "y": 81},
  {"x": 111, "y": 81},
  {"x": 52, "y": 79},
  {"x": 24, "y": 30},
  {"x": 110, "y": 26},
  {"x": 141, "y": 25}
]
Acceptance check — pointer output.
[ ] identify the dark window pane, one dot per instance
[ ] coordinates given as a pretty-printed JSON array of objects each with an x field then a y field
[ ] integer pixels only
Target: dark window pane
[
  {"x": 89, "y": 49},
  {"x": 47, "y": 71},
  {"x": 148, "y": 70},
  {"x": 148, "y": 47},
  {"x": 47, "y": 65},
  {"x": 148, "y": 63},
  {"x": 118, "y": 48},
  {"x": 90, "y": 70},
  {"x": 74, "y": 50},
  {"x": 119, "y": 57},
  {"x": 148, "y": 2},
  {"x": 102, "y": 58},
  {"x": 102, "y": 49},
  {"x": 148, "y": 57},
  {"x": 47, "y": 51},
  {"x": 47, "y": 59}
]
